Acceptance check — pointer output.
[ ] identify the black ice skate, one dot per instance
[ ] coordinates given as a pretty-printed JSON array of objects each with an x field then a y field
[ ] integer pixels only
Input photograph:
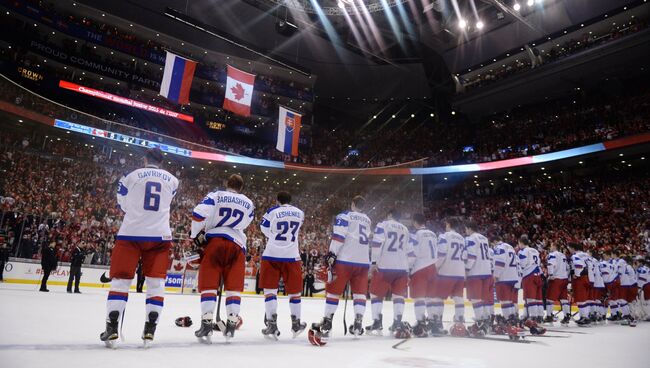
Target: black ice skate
[
  {"x": 421, "y": 329},
  {"x": 204, "y": 334},
  {"x": 231, "y": 326},
  {"x": 583, "y": 322},
  {"x": 566, "y": 319},
  {"x": 399, "y": 329},
  {"x": 615, "y": 317},
  {"x": 109, "y": 337},
  {"x": 549, "y": 319},
  {"x": 376, "y": 328},
  {"x": 319, "y": 333},
  {"x": 435, "y": 326},
  {"x": 357, "y": 327},
  {"x": 271, "y": 331},
  {"x": 297, "y": 327},
  {"x": 149, "y": 329}
]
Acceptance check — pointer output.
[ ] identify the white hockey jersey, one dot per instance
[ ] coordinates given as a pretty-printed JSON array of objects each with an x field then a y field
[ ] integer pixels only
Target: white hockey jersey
[
  {"x": 529, "y": 261},
  {"x": 425, "y": 245},
  {"x": 607, "y": 271},
  {"x": 629, "y": 276},
  {"x": 579, "y": 263},
  {"x": 145, "y": 196},
  {"x": 391, "y": 247},
  {"x": 505, "y": 264},
  {"x": 619, "y": 265},
  {"x": 351, "y": 238},
  {"x": 643, "y": 276},
  {"x": 451, "y": 255},
  {"x": 281, "y": 225},
  {"x": 557, "y": 266},
  {"x": 478, "y": 263},
  {"x": 223, "y": 214},
  {"x": 599, "y": 281}
]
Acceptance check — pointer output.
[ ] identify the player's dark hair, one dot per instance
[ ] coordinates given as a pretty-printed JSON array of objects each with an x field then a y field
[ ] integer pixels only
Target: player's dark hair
[
  {"x": 454, "y": 223},
  {"x": 395, "y": 213},
  {"x": 359, "y": 202},
  {"x": 284, "y": 197},
  {"x": 523, "y": 239},
  {"x": 497, "y": 238},
  {"x": 235, "y": 182},
  {"x": 154, "y": 156},
  {"x": 471, "y": 224},
  {"x": 419, "y": 218},
  {"x": 575, "y": 246}
]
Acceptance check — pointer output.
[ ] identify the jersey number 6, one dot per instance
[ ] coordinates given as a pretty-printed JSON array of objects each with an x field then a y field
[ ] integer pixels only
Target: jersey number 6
[{"x": 152, "y": 191}]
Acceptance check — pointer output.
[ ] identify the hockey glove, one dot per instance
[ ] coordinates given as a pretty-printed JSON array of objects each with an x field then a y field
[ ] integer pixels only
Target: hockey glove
[
  {"x": 200, "y": 240},
  {"x": 330, "y": 258}
]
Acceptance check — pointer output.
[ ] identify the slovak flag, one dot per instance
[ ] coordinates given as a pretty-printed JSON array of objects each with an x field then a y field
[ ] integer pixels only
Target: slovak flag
[
  {"x": 288, "y": 131},
  {"x": 177, "y": 78},
  {"x": 239, "y": 91}
]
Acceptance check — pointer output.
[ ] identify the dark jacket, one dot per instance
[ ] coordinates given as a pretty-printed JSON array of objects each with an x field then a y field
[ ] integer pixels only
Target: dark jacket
[
  {"x": 78, "y": 257},
  {"x": 4, "y": 254},
  {"x": 48, "y": 258}
]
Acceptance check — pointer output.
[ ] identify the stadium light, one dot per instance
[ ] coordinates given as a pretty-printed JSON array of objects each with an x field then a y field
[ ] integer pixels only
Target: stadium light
[
  {"x": 341, "y": 5},
  {"x": 516, "y": 6},
  {"x": 462, "y": 23},
  {"x": 479, "y": 25},
  {"x": 530, "y": 2}
]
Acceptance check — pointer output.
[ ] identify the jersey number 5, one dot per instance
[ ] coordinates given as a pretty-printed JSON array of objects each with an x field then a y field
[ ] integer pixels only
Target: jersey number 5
[{"x": 152, "y": 191}]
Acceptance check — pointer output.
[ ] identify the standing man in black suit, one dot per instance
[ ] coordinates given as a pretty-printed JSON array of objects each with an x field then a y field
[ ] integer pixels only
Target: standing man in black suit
[
  {"x": 48, "y": 263},
  {"x": 77, "y": 259}
]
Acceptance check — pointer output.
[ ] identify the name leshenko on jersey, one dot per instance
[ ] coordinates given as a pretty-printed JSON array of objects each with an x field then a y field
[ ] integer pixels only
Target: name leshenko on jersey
[
  {"x": 282, "y": 214},
  {"x": 154, "y": 173}
]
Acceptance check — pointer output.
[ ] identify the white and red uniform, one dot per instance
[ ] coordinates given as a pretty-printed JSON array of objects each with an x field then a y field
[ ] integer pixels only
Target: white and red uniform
[
  {"x": 580, "y": 284},
  {"x": 558, "y": 276},
  {"x": 281, "y": 257},
  {"x": 506, "y": 277},
  {"x": 450, "y": 263},
  {"x": 628, "y": 283},
  {"x": 224, "y": 215},
  {"x": 423, "y": 274},
  {"x": 478, "y": 268},
  {"x": 393, "y": 253},
  {"x": 643, "y": 281}
]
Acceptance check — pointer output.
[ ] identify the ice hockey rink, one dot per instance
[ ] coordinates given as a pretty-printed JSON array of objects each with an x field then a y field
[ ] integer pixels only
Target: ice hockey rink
[{"x": 57, "y": 329}]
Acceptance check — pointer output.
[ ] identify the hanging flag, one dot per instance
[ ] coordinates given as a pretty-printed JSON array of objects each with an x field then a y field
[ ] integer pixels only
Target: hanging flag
[
  {"x": 289, "y": 124},
  {"x": 239, "y": 91},
  {"x": 177, "y": 78}
]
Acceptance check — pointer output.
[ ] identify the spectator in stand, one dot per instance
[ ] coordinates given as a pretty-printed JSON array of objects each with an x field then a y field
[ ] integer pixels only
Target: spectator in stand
[
  {"x": 309, "y": 283},
  {"x": 4, "y": 256},
  {"x": 49, "y": 263},
  {"x": 76, "y": 260}
]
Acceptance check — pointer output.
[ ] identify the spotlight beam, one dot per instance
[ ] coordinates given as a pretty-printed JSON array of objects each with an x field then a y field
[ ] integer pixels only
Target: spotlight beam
[{"x": 499, "y": 4}]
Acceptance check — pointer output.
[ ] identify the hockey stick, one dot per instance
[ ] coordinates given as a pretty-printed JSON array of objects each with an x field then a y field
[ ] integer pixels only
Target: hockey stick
[
  {"x": 218, "y": 324},
  {"x": 345, "y": 308}
]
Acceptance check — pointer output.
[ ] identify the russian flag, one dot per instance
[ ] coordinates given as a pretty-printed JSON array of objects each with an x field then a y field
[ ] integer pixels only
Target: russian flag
[
  {"x": 288, "y": 131},
  {"x": 239, "y": 91},
  {"x": 177, "y": 78}
]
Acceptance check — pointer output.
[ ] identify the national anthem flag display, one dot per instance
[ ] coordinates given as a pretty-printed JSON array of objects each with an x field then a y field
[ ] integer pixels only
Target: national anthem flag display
[
  {"x": 177, "y": 78},
  {"x": 289, "y": 124},
  {"x": 239, "y": 91}
]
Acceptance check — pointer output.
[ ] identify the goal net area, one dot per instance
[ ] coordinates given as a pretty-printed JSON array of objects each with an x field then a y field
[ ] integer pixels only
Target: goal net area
[{"x": 91, "y": 153}]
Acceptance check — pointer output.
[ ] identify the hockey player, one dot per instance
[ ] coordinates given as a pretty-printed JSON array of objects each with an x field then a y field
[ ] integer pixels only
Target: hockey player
[
  {"x": 423, "y": 274},
  {"x": 220, "y": 220},
  {"x": 629, "y": 291},
  {"x": 643, "y": 282},
  {"x": 478, "y": 267},
  {"x": 597, "y": 290},
  {"x": 558, "y": 280},
  {"x": 506, "y": 278},
  {"x": 531, "y": 282},
  {"x": 609, "y": 270},
  {"x": 144, "y": 196},
  {"x": 392, "y": 257},
  {"x": 450, "y": 264},
  {"x": 580, "y": 283},
  {"x": 281, "y": 259},
  {"x": 348, "y": 259}
]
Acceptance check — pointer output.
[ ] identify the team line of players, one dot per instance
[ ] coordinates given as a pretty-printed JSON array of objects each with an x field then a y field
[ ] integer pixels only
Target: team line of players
[{"x": 435, "y": 267}]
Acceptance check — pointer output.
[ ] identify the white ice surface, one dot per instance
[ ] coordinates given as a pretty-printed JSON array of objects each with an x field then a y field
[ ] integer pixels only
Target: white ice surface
[{"x": 57, "y": 329}]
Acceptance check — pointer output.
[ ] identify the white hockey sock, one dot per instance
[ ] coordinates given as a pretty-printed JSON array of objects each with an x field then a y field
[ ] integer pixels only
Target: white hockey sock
[
  {"x": 438, "y": 307},
  {"x": 489, "y": 308},
  {"x": 459, "y": 308},
  {"x": 233, "y": 301},
  {"x": 331, "y": 303},
  {"x": 539, "y": 308},
  {"x": 419, "y": 307},
  {"x": 398, "y": 305},
  {"x": 118, "y": 296},
  {"x": 359, "y": 304},
  {"x": 477, "y": 307},
  {"x": 377, "y": 304},
  {"x": 584, "y": 310},
  {"x": 270, "y": 302},
  {"x": 155, "y": 296},
  {"x": 625, "y": 309},
  {"x": 613, "y": 307},
  {"x": 294, "y": 305},
  {"x": 208, "y": 302}
]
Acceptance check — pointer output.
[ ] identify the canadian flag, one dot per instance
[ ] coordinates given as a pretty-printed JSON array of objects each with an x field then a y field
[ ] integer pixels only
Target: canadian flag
[{"x": 239, "y": 91}]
